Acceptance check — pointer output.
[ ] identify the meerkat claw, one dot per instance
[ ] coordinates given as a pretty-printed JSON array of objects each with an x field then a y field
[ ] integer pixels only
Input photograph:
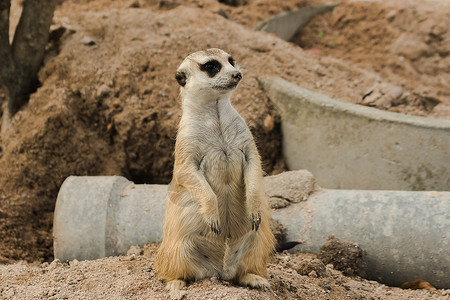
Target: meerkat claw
[
  {"x": 255, "y": 220},
  {"x": 215, "y": 227},
  {"x": 259, "y": 222}
]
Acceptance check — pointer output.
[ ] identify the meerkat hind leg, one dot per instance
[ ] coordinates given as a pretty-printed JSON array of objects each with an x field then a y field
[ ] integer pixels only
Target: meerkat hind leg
[
  {"x": 236, "y": 263},
  {"x": 234, "y": 254},
  {"x": 245, "y": 260},
  {"x": 176, "y": 284},
  {"x": 253, "y": 280},
  {"x": 185, "y": 260}
]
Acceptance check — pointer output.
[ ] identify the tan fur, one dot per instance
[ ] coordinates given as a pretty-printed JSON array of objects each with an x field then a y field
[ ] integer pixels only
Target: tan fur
[{"x": 216, "y": 186}]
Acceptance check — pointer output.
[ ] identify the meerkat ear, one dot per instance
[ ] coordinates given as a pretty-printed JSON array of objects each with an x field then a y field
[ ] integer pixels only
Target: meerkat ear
[{"x": 181, "y": 77}]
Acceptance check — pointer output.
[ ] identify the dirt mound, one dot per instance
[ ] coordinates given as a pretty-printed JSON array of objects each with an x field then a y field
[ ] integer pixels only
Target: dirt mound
[
  {"x": 406, "y": 43},
  {"x": 344, "y": 256}
]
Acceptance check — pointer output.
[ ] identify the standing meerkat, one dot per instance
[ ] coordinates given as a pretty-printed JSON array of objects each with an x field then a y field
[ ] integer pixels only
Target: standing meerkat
[{"x": 217, "y": 218}]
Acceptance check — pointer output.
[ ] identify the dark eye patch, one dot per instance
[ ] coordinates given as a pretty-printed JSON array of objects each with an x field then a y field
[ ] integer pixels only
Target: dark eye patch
[
  {"x": 211, "y": 67},
  {"x": 231, "y": 60}
]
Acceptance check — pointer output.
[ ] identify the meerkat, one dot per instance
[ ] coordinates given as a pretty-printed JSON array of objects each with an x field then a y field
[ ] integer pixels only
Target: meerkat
[{"x": 217, "y": 218}]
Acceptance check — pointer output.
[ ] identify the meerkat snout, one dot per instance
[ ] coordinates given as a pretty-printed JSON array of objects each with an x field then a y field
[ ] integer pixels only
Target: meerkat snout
[
  {"x": 237, "y": 76},
  {"x": 181, "y": 78}
]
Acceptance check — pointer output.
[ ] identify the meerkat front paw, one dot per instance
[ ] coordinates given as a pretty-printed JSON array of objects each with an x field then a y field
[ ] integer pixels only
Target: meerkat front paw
[
  {"x": 214, "y": 225},
  {"x": 210, "y": 212},
  {"x": 255, "y": 220}
]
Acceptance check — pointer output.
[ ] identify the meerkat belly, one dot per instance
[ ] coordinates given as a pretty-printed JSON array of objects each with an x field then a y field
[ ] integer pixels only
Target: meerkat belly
[{"x": 223, "y": 168}]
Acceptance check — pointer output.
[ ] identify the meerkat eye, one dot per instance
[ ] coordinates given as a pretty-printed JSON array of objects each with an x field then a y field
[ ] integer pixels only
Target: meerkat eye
[
  {"x": 211, "y": 67},
  {"x": 231, "y": 60}
]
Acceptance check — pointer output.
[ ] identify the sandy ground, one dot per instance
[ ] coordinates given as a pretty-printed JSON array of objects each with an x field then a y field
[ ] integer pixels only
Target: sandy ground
[
  {"x": 108, "y": 105},
  {"x": 291, "y": 276}
]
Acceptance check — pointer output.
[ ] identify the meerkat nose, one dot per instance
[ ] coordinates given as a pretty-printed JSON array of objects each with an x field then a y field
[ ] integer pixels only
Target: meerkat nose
[{"x": 237, "y": 76}]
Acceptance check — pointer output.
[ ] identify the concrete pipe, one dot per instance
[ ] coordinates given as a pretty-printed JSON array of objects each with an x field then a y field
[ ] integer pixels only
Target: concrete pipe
[
  {"x": 286, "y": 24},
  {"x": 406, "y": 234},
  {"x": 106, "y": 215},
  {"x": 350, "y": 146}
]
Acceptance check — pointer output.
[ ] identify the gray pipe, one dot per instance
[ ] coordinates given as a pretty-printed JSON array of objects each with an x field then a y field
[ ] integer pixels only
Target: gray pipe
[
  {"x": 350, "y": 146},
  {"x": 406, "y": 234},
  {"x": 104, "y": 216},
  {"x": 286, "y": 24}
]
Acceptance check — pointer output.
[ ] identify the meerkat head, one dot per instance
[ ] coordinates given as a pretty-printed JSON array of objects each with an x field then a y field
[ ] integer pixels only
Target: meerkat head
[{"x": 211, "y": 72}]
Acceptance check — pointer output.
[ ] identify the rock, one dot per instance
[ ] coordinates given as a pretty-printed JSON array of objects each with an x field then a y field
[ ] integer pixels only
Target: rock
[
  {"x": 269, "y": 123},
  {"x": 73, "y": 263},
  {"x": 313, "y": 274},
  {"x": 291, "y": 186},
  {"x": 103, "y": 91},
  {"x": 395, "y": 94},
  {"x": 135, "y": 250},
  {"x": 308, "y": 266},
  {"x": 177, "y": 294},
  {"x": 87, "y": 41},
  {"x": 384, "y": 96},
  {"x": 9, "y": 293},
  {"x": 276, "y": 203},
  {"x": 54, "y": 264},
  {"x": 411, "y": 46},
  {"x": 391, "y": 97}
]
